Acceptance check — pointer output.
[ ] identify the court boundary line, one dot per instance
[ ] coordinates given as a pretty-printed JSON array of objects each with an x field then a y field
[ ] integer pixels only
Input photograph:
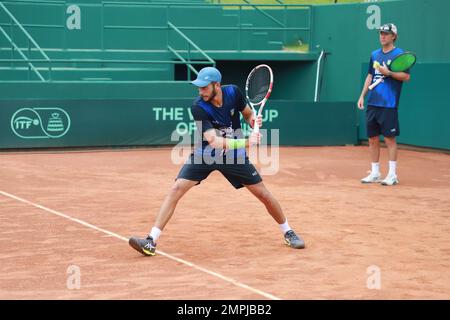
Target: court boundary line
[{"x": 169, "y": 256}]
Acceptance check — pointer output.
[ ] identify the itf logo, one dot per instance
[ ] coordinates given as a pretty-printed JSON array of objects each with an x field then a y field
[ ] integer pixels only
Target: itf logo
[{"x": 40, "y": 123}]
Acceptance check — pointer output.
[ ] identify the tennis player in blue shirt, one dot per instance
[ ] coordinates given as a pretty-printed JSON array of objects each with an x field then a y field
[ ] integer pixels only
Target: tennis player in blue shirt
[
  {"x": 382, "y": 104},
  {"x": 221, "y": 147}
]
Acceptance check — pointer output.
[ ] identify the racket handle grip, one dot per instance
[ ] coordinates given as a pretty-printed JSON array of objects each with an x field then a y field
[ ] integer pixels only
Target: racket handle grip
[
  {"x": 373, "y": 85},
  {"x": 255, "y": 127},
  {"x": 255, "y": 123}
]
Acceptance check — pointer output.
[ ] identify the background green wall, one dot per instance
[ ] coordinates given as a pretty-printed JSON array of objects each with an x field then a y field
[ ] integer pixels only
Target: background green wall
[{"x": 340, "y": 30}]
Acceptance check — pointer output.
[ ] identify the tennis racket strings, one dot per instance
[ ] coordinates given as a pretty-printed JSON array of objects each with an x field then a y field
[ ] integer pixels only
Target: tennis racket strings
[{"x": 258, "y": 85}]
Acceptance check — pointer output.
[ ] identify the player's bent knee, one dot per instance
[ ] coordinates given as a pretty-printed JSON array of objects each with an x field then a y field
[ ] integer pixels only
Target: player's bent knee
[{"x": 178, "y": 189}]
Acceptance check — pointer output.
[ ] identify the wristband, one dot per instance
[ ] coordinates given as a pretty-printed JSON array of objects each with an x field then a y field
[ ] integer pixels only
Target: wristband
[{"x": 236, "y": 143}]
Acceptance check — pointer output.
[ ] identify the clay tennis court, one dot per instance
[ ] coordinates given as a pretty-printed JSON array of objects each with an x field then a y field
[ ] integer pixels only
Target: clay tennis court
[{"x": 60, "y": 209}]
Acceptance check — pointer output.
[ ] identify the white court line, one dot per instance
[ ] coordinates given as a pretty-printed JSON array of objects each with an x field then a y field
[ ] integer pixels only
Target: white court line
[
  {"x": 288, "y": 172},
  {"x": 189, "y": 264}
]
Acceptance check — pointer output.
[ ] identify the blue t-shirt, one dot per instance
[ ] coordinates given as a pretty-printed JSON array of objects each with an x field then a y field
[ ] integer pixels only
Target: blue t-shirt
[
  {"x": 387, "y": 93},
  {"x": 225, "y": 119}
]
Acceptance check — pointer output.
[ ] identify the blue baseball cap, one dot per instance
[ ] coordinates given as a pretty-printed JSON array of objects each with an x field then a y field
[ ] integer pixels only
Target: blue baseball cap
[{"x": 206, "y": 76}]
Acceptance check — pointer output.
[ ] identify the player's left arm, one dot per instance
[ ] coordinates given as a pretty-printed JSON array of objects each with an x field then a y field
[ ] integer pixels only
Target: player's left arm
[
  {"x": 249, "y": 116},
  {"x": 400, "y": 76}
]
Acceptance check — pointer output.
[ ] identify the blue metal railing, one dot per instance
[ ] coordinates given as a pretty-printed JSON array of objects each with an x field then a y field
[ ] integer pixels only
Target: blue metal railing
[
  {"x": 29, "y": 39},
  {"x": 190, "y": 44},
  {"x": 168, "y": 6},
  {"x": 281, "y": 26},
  {"x": 265, "y": 13}
]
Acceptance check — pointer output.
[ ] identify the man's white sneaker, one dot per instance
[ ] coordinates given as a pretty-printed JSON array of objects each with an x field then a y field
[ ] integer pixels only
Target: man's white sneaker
[
  {"x": 371, "y": 178},
  {"x": 390, "y": 180}
]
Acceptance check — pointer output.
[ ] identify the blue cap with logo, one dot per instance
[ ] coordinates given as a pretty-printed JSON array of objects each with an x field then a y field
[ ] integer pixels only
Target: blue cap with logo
[{"x": 206, "y": 76}]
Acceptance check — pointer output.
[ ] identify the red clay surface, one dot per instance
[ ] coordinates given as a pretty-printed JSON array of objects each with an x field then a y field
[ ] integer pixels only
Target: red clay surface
[{"x": 403, "y": 230}]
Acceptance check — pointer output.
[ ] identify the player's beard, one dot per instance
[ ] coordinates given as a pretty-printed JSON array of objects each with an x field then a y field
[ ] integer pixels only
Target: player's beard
[{"x": 213, "y": 94}]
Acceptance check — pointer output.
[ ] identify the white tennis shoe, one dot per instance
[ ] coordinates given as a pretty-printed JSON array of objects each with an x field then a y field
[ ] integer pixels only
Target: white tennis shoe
[
  {"x": 371, "y": 178},
  {"x": 390, "y": 180}
]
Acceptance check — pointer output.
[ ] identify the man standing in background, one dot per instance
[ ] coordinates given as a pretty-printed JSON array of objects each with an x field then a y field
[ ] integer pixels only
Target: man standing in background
[{"x": 382, "y": 105}]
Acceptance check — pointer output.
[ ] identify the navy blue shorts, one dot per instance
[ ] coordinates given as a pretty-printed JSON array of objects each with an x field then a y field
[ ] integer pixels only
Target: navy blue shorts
[
  {"x": 382, "y": 121},
  {"x": 238, "y": 174}
]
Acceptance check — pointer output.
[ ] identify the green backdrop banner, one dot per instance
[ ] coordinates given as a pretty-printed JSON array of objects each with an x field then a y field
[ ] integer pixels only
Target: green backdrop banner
[{"x": 81, "y": 123}]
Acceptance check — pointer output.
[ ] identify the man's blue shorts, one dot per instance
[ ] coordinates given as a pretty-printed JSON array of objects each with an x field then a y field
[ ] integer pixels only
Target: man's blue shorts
[
  {"x": 382, "y": 121},
  {"x": 237, "y": 173}
]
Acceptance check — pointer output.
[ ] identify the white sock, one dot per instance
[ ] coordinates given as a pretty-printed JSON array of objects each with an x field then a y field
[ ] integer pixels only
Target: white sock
[
  {"x": 375, "y": 168},
  {"x": 285, "y": 227},
  {"x": 155, "y": 233},
  {"x": 392, "y": 168}
]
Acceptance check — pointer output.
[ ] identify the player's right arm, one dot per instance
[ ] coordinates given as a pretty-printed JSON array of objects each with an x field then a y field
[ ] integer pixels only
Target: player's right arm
[
  {"x": 364, "y": 91},
  {"x": 217, "y": 142},
  {"x": 212, "y": 136},
  {"x": 367, "y": 83}
]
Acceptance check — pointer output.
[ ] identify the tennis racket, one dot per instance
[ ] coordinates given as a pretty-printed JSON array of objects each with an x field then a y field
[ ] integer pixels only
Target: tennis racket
[
  {"x": 258, "y": 89},
  {"x": 400, "y": 63}
]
